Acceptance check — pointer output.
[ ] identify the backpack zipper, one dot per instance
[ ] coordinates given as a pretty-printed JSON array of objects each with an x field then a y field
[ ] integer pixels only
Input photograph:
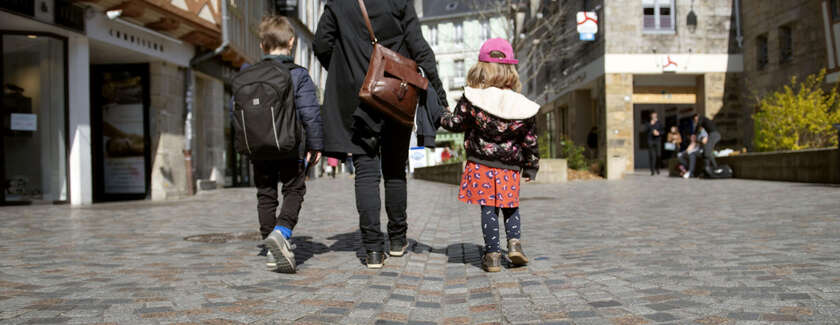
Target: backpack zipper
[
  {"x": 245, "y": 132},
  {"x": 274, "y": 126}
]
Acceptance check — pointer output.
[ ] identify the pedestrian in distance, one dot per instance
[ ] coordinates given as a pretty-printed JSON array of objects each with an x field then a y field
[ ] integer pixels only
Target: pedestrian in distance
[
  {"x": 378, "y": 143},
  {"x": 499, "y": 126},
  {"x": 277, "y": 84},
  {"x": 655, "y": 130}
]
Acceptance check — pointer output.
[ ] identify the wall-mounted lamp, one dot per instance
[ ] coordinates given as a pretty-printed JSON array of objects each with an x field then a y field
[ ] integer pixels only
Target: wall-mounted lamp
[
  {"x": 691, "y": 20},
  {"x": 113, "y": 14}
]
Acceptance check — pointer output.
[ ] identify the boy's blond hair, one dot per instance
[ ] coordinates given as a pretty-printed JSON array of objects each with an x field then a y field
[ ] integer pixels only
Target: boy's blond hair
[
  {"x": 275, "y": 33},
  {"x": 486, "y": 74}
]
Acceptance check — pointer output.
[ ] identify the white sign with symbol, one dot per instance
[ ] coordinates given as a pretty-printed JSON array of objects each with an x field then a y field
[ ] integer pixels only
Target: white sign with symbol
[
  {"x": 587, "y": 25},
  {"x": 24, "y": 122},
  {"x": 669, "y": 64}
]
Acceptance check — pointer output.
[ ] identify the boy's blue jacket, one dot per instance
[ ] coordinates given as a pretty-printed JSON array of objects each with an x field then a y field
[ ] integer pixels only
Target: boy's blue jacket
[{"x": 306, "y": 103}]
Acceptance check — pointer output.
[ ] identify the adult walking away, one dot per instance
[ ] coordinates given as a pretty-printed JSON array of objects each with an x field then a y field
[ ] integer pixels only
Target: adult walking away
[
  {"x": 712, "y": 140},
  {"x": 379, "y": 145},
  {"x": 655, "y": 130}
]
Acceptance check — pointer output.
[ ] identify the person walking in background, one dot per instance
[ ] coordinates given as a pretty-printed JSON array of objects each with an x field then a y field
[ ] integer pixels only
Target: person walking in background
[
  {"x": 379, "y": 145},
  {"x": 333, "y": 163},
  {"x": 712, "y": 140},
  {"x": 499, "y": 126},
  {"x": 445, "y": 155},
  {"x": 655, "y": 130}
]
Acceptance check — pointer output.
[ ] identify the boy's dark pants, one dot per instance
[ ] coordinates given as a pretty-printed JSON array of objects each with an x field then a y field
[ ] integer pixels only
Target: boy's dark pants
[{"x": 267, "y": 173}]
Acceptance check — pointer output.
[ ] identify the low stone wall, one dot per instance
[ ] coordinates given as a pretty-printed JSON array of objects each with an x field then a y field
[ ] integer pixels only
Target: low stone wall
[
  {"x": 810, "y": 166},
  {"x": 552, "y": 171},
  {"x": 448, "y": 173}
]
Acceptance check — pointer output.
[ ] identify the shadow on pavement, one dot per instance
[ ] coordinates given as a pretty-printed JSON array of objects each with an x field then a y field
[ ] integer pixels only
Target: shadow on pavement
[{"x": 464, "y": 253}]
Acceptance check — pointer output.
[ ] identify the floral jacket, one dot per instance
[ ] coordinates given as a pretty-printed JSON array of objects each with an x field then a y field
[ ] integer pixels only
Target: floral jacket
[{"x": 500, "y": 129}]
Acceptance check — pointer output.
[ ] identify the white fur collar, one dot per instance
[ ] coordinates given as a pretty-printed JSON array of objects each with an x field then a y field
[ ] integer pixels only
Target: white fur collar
[{"x": 503, "y": 103}]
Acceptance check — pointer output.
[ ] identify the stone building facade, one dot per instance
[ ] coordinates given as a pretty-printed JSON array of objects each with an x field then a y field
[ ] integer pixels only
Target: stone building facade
[{"x": 673, "y": 57}]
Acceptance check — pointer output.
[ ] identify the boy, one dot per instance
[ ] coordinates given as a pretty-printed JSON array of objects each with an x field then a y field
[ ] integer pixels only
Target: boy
[{"x": 277, "y": 39}]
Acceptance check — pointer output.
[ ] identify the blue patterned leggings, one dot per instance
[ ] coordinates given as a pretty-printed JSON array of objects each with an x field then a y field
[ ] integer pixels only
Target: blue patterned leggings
[{"x": 490, "y": 226}]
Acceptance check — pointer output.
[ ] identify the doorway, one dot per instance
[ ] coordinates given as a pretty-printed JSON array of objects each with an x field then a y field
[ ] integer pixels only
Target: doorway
[
  {"x": 34, "y": 115},
  {"x": 120, "y": 132},
  {"x": 670, "y": 115}
]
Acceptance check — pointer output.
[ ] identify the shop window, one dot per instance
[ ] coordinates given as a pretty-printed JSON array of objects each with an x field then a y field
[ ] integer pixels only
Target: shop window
[
  {"x": 785, "y": 44},
  {"x": 835, "y": 9},
  {"x": 433, "y": 35},
  {"x": 485, "y": 30},
  {"x": 33, "y": 160},
  {"x": 658, "y": 16},
  {"x": 459, "y": 32},
  {"x": 762, "y": 57}
]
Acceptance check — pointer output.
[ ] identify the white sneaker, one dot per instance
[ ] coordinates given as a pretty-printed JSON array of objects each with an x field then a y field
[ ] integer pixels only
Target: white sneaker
[
  {"x": 270, "y": 261},
  {"x": 687, "y": 175},
  {"x": 281, "y": 250}
]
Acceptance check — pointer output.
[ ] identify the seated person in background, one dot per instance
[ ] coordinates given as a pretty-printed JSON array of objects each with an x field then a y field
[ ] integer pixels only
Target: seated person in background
[
  {"x": 675, "y": 138},
  {"x": 688, "y": 158}
]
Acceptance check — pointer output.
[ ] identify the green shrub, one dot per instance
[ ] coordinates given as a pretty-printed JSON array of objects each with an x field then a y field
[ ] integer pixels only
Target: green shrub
[
  {"x": 573, "y": 154},
  {"x": 799, "y": 116}
]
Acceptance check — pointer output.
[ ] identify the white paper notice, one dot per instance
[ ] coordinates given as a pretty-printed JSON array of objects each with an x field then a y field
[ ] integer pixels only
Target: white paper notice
[{"x": 24, "y": 122}]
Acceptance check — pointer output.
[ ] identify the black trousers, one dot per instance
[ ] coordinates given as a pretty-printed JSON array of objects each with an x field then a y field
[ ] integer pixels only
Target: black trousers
[
  {"x": 267, "y": 175},
  {"x": 387, "y": 161},
  {"x": 654, "y": 154}
]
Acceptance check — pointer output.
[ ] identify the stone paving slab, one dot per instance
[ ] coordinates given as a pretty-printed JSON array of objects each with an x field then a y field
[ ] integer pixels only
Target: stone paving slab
[{"x": 645, "y": 250}]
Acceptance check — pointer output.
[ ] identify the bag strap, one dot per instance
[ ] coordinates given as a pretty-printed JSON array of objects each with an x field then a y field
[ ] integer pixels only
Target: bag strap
[{"x": 373, "y": 39}]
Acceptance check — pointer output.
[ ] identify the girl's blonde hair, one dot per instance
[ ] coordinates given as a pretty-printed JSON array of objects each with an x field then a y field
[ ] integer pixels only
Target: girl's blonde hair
[{"x": 486, "y": 74}]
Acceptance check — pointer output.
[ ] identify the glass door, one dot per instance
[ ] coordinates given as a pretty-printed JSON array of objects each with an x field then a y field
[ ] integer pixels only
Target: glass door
[{"x": 34, "y": 115}]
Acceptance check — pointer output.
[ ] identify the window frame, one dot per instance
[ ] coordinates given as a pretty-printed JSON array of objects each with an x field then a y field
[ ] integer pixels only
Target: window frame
[{"x": 657, "y": 8}]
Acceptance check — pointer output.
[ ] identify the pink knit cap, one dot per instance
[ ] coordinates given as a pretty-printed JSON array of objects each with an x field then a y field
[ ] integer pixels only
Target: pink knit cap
[{"x": 497, "y": 44}]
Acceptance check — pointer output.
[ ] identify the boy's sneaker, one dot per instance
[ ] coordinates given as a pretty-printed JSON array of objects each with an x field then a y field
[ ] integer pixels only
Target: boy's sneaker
[
  {"x": 492, "y": 262},
  {"x": 270, "y": 262},
  {"x": 280, "y": 248},
  {"x": 398, "y": 247},
  {"x": 515, "y": 254},
  {"x": 375, "y": 260}
]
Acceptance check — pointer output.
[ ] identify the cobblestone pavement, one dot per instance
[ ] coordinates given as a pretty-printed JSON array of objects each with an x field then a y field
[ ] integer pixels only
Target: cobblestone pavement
[{"x": 646, "y": 250}]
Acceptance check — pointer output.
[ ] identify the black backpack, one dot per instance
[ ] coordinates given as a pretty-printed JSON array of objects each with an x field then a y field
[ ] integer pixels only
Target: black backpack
[{"x": 264, "y": 114}]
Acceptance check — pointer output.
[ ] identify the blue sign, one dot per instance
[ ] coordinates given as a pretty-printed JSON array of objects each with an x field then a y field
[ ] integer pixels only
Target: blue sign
[{"x": 587, "y": 36}]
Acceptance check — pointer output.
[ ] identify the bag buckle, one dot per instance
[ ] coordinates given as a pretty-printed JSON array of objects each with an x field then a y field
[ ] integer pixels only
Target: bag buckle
[{"x": 403, "y": 89}]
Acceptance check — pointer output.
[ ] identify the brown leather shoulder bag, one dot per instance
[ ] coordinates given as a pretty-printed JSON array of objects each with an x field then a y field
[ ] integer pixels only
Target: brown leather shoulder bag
[{"x": 392, "y": 82}]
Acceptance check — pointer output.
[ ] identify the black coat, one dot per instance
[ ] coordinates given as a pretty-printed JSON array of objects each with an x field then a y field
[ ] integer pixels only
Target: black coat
[{"x": 343, "y": 46}]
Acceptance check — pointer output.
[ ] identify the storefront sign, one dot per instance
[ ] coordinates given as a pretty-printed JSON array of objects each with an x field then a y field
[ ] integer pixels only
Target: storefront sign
[{"x": 24, "y": 122}]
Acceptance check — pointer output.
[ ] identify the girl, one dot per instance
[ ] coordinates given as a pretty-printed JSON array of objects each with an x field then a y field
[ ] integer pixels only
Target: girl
[{"x": 501, "y": 144}]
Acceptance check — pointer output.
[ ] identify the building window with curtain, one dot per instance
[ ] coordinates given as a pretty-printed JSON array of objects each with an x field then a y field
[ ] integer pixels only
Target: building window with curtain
[
  {"x": 762, "y": 57},
  {"x": 658, "y": 16},
  {"x": 459, "y": 32},
  {"x": 485, "y": 30},
  {"x": 785, "y": 44},
  {"x": 433, "y": 35}
]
